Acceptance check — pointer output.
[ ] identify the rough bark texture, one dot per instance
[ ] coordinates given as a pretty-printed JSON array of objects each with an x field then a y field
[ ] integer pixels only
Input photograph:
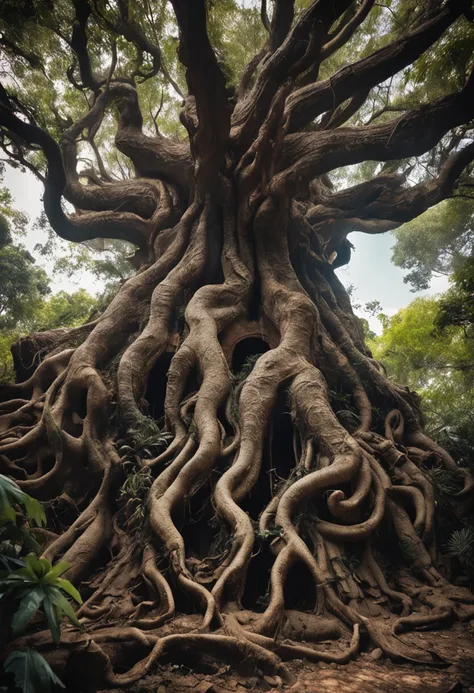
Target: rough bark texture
[{"x": 250, "y": 522}]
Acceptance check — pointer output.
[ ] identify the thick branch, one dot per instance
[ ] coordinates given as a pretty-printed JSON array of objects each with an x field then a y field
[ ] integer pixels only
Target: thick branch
[
  {"x": 297, "y": 53},
  {"x": 307, "y": 103},
  {"x": 139, "y": 197},
  {"x": 152, "y": 157},
  {"x": 206, "y": 83},
  {"x": 307, "y": 155},
  {"x": 382, "y": 204},
  {"x": 79, "y": 45},
  {"x": 105, "y": 225},
  {"x": 282, "y": 19}
]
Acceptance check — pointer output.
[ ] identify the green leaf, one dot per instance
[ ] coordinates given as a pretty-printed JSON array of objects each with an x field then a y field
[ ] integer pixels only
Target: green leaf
[
  {"x": 37, "y": 567},
  {"x": 27, "y": 608},
  {"x": 27, "y": 573},
  {"x": 21, "y": 536},
  {"x": 10, "y": 563},
  {"x": 55, "y": 572},
  {"x": 69, "y": 588},
  {"x": 60, "y": 601},
  {"x": 32, "y": 673},
  {"x": 34, "y": 509},
  {"x": 46, "y": 566},
  {"x": 21, "y": 575},
  {"x": 52, "y": 618},
  {"x": 11, "y": 492}
]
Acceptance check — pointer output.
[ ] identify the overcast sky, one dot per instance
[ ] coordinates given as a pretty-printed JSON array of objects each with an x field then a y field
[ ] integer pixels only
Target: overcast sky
[{"x": 371, "y": 271}]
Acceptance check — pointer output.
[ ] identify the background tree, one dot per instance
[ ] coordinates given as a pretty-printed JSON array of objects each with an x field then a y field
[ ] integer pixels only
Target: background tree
[
  {"x": 438, "y": 243},
  {"x": 420, "y": 350},
  {"x": 22, "y": 285},
  {"x": 239, "y": 216},
  {"x": 26, "y": 305}
]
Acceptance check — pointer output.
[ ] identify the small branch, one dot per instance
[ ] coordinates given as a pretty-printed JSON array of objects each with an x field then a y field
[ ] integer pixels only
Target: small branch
[
  {"x": 386, "y": 109},
  {"x": 264, "y": 15},
  {"x": 347, "y": 31}
]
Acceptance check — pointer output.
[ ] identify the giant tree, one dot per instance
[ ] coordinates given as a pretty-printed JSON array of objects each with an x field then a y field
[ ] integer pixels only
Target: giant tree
[{"x": 219, "y": 450}]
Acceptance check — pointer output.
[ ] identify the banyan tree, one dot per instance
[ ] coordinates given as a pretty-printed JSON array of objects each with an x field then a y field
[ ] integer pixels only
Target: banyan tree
[{"x": 225, "y": 467}]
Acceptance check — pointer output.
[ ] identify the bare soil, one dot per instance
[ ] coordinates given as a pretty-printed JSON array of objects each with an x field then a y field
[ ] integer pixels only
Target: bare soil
[{"x": 368, "y": 674}]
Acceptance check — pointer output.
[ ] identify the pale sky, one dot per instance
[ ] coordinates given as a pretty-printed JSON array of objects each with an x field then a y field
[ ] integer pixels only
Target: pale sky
[{"x": 371, "y": 271}]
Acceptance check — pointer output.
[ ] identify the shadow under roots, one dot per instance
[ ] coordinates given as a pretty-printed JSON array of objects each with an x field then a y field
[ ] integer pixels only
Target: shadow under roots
[
  {"x": 299, "y": 589},
  {"x": 156, "y": 386},
  {"x": 278, "y": 459},
  {"x": 245, "y": 350}
]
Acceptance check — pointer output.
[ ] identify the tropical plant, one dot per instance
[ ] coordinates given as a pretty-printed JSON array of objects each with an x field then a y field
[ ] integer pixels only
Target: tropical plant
[
  {"x": 28, "y": 584},
  {"x": 461, "y": 546},
  {"x": 39, "y": 584},
  {"x": 31, "y": 672}
]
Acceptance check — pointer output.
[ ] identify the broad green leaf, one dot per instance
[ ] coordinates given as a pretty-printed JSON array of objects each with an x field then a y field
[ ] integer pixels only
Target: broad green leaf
[
  {"x": 69, "y": 588},
  {"x": 35, "y": 510},
  {"x": 32, "y": 673},
  {"x": 27, "y": 608},
  {"x": 27, "y": 573},
  {"x": 62, "y": 603},
  {"x": 46, "y": 565},
  {"x": 55, "y": 572},
  {"x": 34, "y": 564},
  {"x": 22, "y": 575},
  {"x": 11, "y": 492},
  {"x": 10, "y": 563},
  {"x": 52, "y": 618},
  {"x": 7, "y": 511}
]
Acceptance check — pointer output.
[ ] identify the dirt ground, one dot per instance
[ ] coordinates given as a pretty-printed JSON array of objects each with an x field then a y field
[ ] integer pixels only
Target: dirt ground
[{"x": 370, "y": 673}]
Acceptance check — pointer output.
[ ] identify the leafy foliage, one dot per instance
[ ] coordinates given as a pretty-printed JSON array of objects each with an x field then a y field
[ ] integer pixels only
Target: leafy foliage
[
  {"x": 437, "y": 363},
  {"x": 456, "y": 306},
  {"x": 146, "y": 441},
  {"x": 133, "y": 495},
  {"x": 436, "y": 242},
  {"x": 461, "y": 545},
  {"x": 32, "y": 672},
  {"x": 10, "y": 494},
  {"x": 22, "y": 284},
  {"x": 40, "y": 584},
  {"x": 26, "y": 303},
  {"x": 28, "y": 584}
]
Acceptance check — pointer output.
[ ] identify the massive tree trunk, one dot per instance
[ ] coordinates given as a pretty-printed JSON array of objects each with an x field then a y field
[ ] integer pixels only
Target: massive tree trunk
[{"x": 225, "y": 466}]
